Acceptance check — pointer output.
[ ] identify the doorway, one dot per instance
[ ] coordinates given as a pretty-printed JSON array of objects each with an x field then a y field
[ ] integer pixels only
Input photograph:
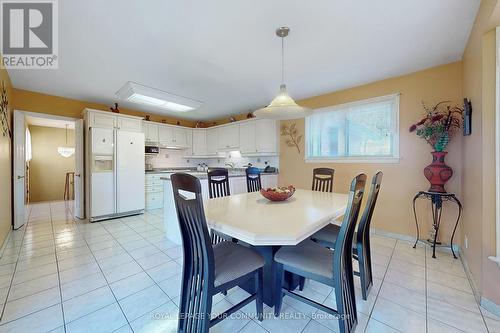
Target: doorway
[{"x": 48, "y": 162}]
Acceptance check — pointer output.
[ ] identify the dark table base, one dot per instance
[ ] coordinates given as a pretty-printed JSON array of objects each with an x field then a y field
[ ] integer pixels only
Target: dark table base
[{"x": 291, "y": 280}]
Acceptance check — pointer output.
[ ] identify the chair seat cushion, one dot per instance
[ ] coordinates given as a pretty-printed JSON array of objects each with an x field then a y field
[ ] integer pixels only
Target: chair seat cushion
[
  {"x": 233, "y": 261},
  {"x": 328, "y": 233},
  {"x": 307, "y": 256}
]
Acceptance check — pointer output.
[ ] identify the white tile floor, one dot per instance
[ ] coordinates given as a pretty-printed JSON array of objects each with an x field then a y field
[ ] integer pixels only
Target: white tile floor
[{"x": 124, "y": 276}]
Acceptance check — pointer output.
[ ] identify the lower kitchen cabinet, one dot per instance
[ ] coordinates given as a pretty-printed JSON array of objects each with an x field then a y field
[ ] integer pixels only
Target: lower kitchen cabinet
[{"x": 154, "y": 191}]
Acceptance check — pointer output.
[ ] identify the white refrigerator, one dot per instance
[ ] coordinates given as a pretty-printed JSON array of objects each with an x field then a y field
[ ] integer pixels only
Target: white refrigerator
[{"x": 116, "y": 173}]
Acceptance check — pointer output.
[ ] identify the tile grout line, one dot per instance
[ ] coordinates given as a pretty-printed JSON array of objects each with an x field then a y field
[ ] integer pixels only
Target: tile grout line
[
  {"x": 107, "y": 282},
  {"x": 15, "y": 266},
  {"x": 57, "y": 267}
]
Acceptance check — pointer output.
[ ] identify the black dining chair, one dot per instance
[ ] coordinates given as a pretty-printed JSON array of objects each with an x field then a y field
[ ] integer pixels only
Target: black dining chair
[
  {"x": 254, "y": 183},
  {"x": 209, "y": 269},
  {"x": 323, "y": 179},
  {"x": 218, "y": 186},
  {"x": 361, "y": 245},
  {"x": 323, "y": 182},
  {"x": 333, "y": 268}
]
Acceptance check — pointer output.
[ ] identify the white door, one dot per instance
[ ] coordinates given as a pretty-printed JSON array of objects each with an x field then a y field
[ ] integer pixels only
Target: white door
[
  {"x": 19, "y": 172},
  {"x": 129, "y": 171},
  {"x": 79, "y": 170}
]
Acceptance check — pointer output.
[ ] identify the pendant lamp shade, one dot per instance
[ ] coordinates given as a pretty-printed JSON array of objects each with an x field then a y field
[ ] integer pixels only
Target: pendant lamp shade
[{"x": 283, "y": 106}]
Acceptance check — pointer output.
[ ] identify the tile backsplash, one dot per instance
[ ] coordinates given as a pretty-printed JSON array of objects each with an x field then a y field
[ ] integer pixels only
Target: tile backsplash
[{"x": 171, "y": 158}]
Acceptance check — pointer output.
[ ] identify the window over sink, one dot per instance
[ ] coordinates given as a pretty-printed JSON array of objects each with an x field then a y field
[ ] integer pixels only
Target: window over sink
[{"x": 365, "y": 131}]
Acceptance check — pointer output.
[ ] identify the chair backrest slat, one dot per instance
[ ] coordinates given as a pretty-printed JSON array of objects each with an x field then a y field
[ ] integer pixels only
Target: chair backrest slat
[
  {"x": 342, "y": 256},
  {"x": 254, "y": 183},
  {"x": 198, "y": 269},
  {"x": 323, "y": 179},
  {"x": 218, "y": 183}
]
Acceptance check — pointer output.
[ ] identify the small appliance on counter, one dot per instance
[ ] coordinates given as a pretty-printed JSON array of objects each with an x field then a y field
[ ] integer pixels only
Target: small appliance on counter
[
  {"x": 152, "y": 150},
  {"x": 269, "y": 169}
]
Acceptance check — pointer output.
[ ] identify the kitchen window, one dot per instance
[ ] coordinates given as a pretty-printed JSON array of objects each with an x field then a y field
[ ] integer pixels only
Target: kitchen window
[{"x": 364, "y": 131}]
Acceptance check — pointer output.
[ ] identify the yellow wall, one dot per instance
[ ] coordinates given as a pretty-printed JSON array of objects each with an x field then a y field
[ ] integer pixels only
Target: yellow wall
[
  {"x": 5, "y": 168},
  {"x": 36, "y": 102},
  {"x": 48, "y": 168},
  {"x": 478, "y": 165},
  {"x": 403, "y": 180}
]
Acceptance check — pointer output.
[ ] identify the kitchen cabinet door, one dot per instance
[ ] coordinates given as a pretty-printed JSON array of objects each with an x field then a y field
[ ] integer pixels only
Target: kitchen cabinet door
[
  {"x": 212, "y": 137},
  {"x": 129, "y": 124},
  {"x": 266, "y": 138},
  {"x": 237, "y": 185},
  {"x": 189, "y": 143},
  {"x": 269, "y": 180},
  {"x": 179, "y": 137},
  {"x": 102, "y": 120},
  {"x": 166, "y": 135},
  {"x": 151, "y": 132},
  {"x": 199, "y": 142},
  {"x": 247, "y": 137}
]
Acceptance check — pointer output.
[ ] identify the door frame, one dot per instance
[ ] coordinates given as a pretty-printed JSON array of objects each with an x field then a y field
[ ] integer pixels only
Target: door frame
[{"x": 53, "y": 117}]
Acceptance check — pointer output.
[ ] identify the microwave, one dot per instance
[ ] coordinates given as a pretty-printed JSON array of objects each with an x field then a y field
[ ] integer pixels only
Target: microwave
[{"x": 150, "y": 150}]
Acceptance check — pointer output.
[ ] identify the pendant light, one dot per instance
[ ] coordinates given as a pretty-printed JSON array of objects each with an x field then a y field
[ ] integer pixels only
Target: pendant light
[
  {"x": 66, "y": 151},
  {"x": 282, "y": 107}
]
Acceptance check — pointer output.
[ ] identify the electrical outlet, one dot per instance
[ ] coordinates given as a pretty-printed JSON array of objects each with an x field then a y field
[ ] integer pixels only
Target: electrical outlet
[{"x": 466, "y": 242}]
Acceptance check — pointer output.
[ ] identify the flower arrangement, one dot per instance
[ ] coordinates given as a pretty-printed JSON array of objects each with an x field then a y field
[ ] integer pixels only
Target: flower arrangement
[{"x": 439, "y": 125}]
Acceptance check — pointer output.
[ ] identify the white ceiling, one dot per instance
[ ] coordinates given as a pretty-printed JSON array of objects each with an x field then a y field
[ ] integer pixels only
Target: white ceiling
[
  {"x": 46, "y": 122},
  {"x": 225, "y": 52}
]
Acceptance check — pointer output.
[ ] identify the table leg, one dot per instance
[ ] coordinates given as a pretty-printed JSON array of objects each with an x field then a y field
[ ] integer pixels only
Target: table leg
[
  {"x": 291, "y": 281},
  {"x": 416, "y": 221},
  {"x": 454, "y": 199},
  {"x": 437, "y": 205}
]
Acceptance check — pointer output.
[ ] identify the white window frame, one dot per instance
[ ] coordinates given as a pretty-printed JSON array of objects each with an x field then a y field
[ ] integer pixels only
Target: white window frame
[
  {"x": 359, "y": 159},
  {"x": 496, "y": 257}
]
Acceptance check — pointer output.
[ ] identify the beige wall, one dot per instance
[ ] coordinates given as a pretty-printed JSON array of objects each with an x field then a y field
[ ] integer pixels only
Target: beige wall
[
  {"x": 478, "y": 165},
  {"x": 48, "y": 168},
  {"x": 5, "y": 168},
  {"x": 404, "y": 179}
]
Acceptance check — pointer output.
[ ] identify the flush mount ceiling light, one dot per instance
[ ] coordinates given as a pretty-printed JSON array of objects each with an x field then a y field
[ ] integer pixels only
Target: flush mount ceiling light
[
  {"x": 66, "y": 151},
  {"x": 137, "y": 93},
  {"x": 282, "y": 106}
]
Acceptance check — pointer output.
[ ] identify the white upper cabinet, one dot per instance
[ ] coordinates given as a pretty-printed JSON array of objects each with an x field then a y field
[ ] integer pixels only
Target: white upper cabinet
[
  {"x": 212, "y": 141},
  {"x": 199, "y": 142},
  {"x": 102, "y": 120},
  {"x": 228, "y": 137},
  {"x": 189, "y": 142},
  {"x": 180, "y": 137},
  {"x": 151, "y": 132},
  {"x": 266, "y": 136},
  {"x": 247, "y": 137},
  {"x": 129, "y": 124},
  {"x": 166, "y": 135}
]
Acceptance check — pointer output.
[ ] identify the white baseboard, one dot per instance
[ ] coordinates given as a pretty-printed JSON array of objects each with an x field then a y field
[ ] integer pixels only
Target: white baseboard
[
  {"x": 5, "y": 242},
  {"x": 490, "y": 306},
  {"x": 408, "y": 238}
]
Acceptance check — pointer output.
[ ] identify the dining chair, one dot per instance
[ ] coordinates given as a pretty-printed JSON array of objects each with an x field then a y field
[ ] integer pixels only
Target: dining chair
[
  {"x": 209, "y": 269},
  {"x": 323, "y": 179},
  {"x": 254, "y": 183},
  {"x": 333, "y": 268},
  {"x": 218, "y": 186},
  {"x": 323, "y": 182},
  {"x": 361, "y": 244}
]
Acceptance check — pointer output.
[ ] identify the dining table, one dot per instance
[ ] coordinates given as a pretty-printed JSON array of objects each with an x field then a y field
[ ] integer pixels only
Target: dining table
[{"x": 266, "y": 226}]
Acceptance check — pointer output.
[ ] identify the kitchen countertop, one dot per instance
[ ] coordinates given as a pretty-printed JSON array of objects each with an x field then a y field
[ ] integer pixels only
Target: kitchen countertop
[{"x": 203, "y": 175}]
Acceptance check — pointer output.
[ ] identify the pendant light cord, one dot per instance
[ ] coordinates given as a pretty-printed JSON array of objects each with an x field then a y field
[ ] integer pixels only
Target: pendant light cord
[{"x": 282, "y": 60}]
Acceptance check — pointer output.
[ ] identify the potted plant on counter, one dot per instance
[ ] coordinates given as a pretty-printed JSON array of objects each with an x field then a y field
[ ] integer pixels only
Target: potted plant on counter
[{"x": 439, "y": 125}]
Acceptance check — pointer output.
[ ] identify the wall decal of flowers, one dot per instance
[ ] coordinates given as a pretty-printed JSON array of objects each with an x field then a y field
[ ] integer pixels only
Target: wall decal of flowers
[
  {"x": 4, "y": 112},
  {"x": 292, "y": 135}
]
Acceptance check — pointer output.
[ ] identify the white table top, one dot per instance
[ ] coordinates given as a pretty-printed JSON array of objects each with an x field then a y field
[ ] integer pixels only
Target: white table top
[{"x": 257, "y": 221}]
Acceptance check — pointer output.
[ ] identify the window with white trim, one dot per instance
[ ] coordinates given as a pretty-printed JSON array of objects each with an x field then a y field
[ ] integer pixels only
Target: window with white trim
[{"x": 361, "y": 131}]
